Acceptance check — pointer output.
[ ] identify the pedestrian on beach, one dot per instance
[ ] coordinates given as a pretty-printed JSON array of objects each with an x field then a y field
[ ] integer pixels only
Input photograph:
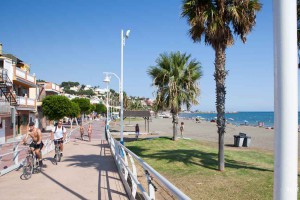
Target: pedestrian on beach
[
  {"x": 81, "y": 131},
  {"x": 137, "y": 131},
  {"x": 181, "y": 128},
  {"x": 90, "y": 130}
]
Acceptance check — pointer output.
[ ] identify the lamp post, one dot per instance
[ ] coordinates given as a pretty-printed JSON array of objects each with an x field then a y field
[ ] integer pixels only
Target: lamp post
[
  {"x": 121, "y": 85},
  {"x": 107, "y": 80}
]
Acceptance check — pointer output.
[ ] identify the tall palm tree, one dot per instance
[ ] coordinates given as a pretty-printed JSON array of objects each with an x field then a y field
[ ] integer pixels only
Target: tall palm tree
[
  {"x": 298, "y": 30},
  {"x": 216, "y": 21},
  {"x": 175, "y": 77}
]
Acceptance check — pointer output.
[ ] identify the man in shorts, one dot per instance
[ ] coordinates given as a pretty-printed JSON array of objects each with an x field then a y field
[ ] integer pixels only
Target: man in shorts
[
  {"x": 37, "y": 143},
  {"x": 58, "y": 134}
]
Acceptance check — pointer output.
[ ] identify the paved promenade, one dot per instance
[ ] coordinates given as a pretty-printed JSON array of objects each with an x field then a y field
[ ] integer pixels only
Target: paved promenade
[{"x": 87, "y": 171}]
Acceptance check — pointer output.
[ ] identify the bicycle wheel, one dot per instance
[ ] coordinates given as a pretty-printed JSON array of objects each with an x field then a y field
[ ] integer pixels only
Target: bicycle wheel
[
  {"x": 36, "y": 167},
  {"x": 59, "y": 157},
  {"x": 57, "y": 154},
  {"x": 28, "y": 167}
]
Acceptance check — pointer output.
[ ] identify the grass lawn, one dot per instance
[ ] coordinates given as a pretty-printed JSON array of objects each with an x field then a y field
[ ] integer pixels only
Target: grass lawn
[{"x": 192, "y": 167}]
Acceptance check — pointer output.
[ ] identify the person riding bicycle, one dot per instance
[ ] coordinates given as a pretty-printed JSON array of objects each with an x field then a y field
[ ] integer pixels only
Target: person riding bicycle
[
  {"x": 58, "y": 134},
  {"x": 37, "y": 144}
]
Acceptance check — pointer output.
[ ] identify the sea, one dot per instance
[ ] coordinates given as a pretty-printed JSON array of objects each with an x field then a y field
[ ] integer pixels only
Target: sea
[{"x": 239, "y": 118}]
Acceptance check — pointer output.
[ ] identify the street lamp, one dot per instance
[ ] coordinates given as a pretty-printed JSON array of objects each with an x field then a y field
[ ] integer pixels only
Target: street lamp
[
  {"x": 107, "y": 80},
  {"x": 121, "y": 85}
]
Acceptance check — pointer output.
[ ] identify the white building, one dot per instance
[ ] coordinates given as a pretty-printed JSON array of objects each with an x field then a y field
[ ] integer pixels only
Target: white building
[
  {"x": 100, "y": 91},
  {"x": 74, "y": 88}
]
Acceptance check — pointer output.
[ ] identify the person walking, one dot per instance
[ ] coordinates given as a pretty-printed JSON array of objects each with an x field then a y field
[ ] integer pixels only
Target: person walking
[
  {"x": 181, "y": 128},
  {"x": 81, "y": 131},
  {"x": 90, "y": 130},
  {"x": 137, "y": 131}
]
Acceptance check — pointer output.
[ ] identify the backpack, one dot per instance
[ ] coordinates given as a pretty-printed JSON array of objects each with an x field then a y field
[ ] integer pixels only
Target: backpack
[{"x": 62, "y": 128}]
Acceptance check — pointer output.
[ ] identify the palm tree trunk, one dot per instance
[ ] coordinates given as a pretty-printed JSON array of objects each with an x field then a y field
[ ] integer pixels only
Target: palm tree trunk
[
  {"x": 220, "y": 76},
  {"x": 175, "y": 122}
]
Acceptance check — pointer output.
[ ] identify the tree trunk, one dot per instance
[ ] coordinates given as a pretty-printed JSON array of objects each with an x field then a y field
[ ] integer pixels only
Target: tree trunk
[
  {"x": 175, "y": 122},
  {"x": 220, "y": 76},
  {"x": 76, "y": 121},
  {"x": 72, "y": 123}
]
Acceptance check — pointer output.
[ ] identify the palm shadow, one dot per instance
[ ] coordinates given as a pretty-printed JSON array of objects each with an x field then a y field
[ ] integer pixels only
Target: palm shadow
[
  {"x": 104, "y": 163},
  {"x": 195, "y": 157}
]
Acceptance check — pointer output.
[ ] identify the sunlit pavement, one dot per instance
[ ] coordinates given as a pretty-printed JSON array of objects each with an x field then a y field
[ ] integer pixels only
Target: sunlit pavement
[{"x": 87, "y": 171}]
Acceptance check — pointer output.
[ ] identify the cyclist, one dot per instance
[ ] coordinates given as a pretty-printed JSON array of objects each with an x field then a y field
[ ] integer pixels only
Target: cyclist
[
  {"x": 58, "y": 134},
  {"x": 37, "y": 143}
]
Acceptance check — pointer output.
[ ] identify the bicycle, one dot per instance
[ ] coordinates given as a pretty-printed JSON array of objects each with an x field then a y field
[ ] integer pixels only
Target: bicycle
[
  {"x": 57, "y": 156},
  {"x": 30, "y": 164}
]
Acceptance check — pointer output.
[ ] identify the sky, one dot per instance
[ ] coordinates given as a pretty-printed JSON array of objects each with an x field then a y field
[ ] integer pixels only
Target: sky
[{"x": 78, "y": 40}]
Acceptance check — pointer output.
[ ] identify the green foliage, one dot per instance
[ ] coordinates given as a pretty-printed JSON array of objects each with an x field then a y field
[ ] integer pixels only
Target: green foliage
[
  {"x": 84, "y": 104},
  {"x": 298, "y": 29},
  {"x": 56, "y": 107},
  {"x": 92, "y": 108},
  {"x": 100, "y": 108},
  {"x": 68, "y": 91},
  {"x": 69, "y": 84},
  {"x": 89, "y": 92},
  {"x": 75, "y": 110},
  {"x": 40, "y": 80},
  {"x": 175, "y": 76},
  {"x": 136, "y": 105}
]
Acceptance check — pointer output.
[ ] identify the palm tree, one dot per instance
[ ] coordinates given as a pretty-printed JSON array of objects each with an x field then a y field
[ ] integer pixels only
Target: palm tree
[
  {"x": 216, "y": 21},
  {"x": 175, "y": 77},
  {"x": 298, "y": 30}
]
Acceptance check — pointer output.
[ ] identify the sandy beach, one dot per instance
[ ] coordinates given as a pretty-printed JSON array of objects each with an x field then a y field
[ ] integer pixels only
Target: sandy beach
[{"x": 261, "y": 138}]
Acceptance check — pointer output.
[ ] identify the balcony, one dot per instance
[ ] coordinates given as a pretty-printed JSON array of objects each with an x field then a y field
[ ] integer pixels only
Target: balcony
[
  {"x": 26, "y": 103},
  {"x": 52, "y": 87},
  {"x": 24, "y": 77}
]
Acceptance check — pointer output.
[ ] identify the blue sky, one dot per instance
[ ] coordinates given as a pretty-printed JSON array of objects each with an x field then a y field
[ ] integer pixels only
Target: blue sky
[{"x": 78, "y": 40}]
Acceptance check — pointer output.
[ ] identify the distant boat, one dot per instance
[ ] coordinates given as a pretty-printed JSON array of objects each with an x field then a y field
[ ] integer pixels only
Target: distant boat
[{"x": 231, "y": 119}]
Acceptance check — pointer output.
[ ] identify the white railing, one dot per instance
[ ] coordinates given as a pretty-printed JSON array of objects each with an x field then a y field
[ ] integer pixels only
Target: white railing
[
  {"x": 25, "y": 75},
  {"x": 13, "y": 151},
  {"x": 131, "y": 173},
  {"x": 30, "y": 102},
  {"x": 25, "y": 101},
  {"x": 20, "y": 73},
  {"x": 22, "y": 100},
  {"x": 4, "y": 107},
  {"x": 30, "y": 78}
]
